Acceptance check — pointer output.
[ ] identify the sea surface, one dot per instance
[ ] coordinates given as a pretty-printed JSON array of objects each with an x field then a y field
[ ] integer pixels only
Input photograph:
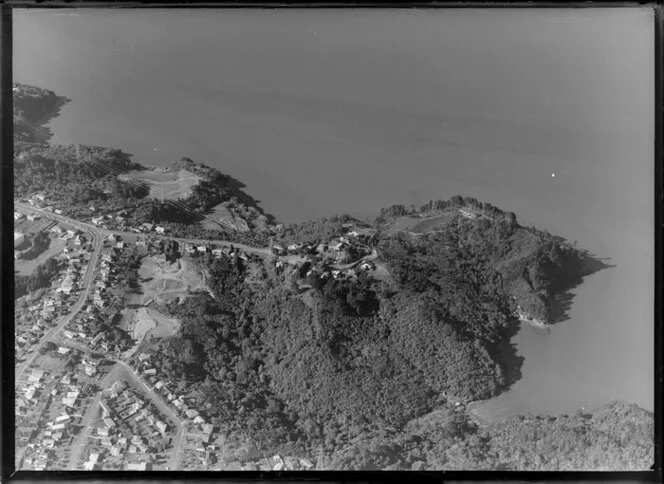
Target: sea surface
[{"x": 546, "y": 113}]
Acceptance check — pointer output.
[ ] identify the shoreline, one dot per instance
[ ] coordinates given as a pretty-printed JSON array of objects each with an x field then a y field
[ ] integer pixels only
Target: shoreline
[{"x": 533, "y": 323}]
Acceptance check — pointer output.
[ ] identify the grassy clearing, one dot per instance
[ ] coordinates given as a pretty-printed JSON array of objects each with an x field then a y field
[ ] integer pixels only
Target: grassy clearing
[
  {"x": 169, "y": 185},
  {"x": 26, "y": 267},
  {"x": 144, "y": 323},
  {"x": 163, "y": 281},
  {"x": 225, "y": 215},
  {"x": 434, "y": 223},
  {"x": 221, "y": 213},
  {"x": 163, "y": 326},
  {"x": 422, "y": 225}
]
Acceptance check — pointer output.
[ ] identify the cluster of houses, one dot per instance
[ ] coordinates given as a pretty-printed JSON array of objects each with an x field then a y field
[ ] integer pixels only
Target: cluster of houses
[
  {"x": 56, "y": 434},
  {"x": 335, "y": 247},
  {"x": 68, "y": 283},
  {"x": 274, "y": 463},
  {"x": 121, "y": 221},
  {"x": 39, "y": 201},
  {"x": 18, "y": 216},
  {"x": 329, "y": 260},
  {"x": 201, "y": 433},
  {"x": 100, "y": 296},
  {"x": 148, "y": 227},
  {"x": 31, "y": 324},
  {"x": 132, "y": 433},
  {"x": 28, "y": 392},
  {"x": 79, "y": 239},
  {"x": 42, "y": 315},
  {"x": 195, "y": 453},
  {"x": 335, "y": 250},
  {"x": 81, "y": 329},
  {"x": 193, "y": 250},
  {"x": 179, "y": 402}
]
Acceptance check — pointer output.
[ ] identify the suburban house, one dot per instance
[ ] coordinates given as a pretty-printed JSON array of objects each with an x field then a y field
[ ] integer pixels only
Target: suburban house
[{"x": 471, "y": 214}]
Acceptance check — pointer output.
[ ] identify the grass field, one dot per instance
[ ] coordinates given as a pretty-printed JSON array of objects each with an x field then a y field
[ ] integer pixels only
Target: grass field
[
  {"x": 169, "y": 185},
  {"x": 143, "y": 324},
  {"x": 225, "y": 215},
  {"x": 433, "y": 223},
  {"x": 164, "y": 326},
  {"x": 221, "y": 213},
  {"x": 26, "y": 267},
  {"x": 166, "y": 281},
  {"x": 423, "y": 225}
]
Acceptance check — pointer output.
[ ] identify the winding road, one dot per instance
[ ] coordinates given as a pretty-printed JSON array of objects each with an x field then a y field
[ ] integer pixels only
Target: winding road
[
  {"x": 85, "y": 283},
  {"x": 120, "y": 369},
  {"x": 262, "y": 251}
]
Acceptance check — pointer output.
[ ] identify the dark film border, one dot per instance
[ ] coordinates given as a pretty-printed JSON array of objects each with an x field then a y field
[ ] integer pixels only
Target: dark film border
[{"x": 9, "y": 474}]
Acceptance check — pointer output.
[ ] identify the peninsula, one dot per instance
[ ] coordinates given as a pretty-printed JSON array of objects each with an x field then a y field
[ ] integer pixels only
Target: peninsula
[{"x": 329, "y": 344}]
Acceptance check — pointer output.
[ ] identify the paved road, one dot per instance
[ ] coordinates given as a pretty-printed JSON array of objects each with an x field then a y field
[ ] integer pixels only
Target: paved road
[
  {"x": 120, "y": 369},
  {"x": 128, "y": 373},
  {"x": 262, "y": 251},
  {"x": 87, "y": 287},
  {"x": 91, "y": 414}
]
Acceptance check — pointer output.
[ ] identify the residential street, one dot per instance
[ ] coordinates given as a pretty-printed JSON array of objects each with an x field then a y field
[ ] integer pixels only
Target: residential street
[
  {"x": 86, "y": 288},
  {"x": 262, "y": 251},
  {"x": 122, "y": 370}
]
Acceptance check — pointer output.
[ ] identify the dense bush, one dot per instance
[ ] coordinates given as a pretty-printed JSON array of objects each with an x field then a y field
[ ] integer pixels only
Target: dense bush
[
  {"x": 359, "y": 372},
  {"x": 313, "y": 231},
  {"x": 33, "y": 109},
  {"x": 616, "y": 437}
]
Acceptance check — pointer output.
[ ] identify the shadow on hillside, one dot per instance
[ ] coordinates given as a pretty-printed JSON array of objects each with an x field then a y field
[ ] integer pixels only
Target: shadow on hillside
[
  {"x": 35, "y": 130},
  {"x": 238, "y": 189},
  {"x": 562, "y": 302},
  {"x": 511, "y": 362}
]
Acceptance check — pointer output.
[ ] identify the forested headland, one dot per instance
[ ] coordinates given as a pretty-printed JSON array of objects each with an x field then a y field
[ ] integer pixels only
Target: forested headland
[
  {"x": 358, "y": 368},
  {"x": 34, "y": 107}
]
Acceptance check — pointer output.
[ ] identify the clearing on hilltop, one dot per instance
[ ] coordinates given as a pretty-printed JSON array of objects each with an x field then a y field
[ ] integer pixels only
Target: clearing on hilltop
[{"x": 165, "y": 184}]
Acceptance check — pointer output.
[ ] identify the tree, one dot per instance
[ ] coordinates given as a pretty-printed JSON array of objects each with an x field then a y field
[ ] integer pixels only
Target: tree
[{"x": 47, "y": 347}]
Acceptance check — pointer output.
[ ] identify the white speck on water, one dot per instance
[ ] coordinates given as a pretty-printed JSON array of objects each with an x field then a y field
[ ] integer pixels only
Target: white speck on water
[
  {"x": 553, "y": 175},
  {"x": 155, "y": 149}
]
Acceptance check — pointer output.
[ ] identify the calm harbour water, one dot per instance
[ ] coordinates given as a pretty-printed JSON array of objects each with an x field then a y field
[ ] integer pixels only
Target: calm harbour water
[{"x": 324, "y": 112}]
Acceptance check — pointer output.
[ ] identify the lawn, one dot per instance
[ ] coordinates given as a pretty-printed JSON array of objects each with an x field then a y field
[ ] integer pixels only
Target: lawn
[
  {"x": 26, "y": 267},
  {"x": 422, "y": 225},
  {"x": 165, "y": 281},
  {"x": 165, "y": 184}
]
